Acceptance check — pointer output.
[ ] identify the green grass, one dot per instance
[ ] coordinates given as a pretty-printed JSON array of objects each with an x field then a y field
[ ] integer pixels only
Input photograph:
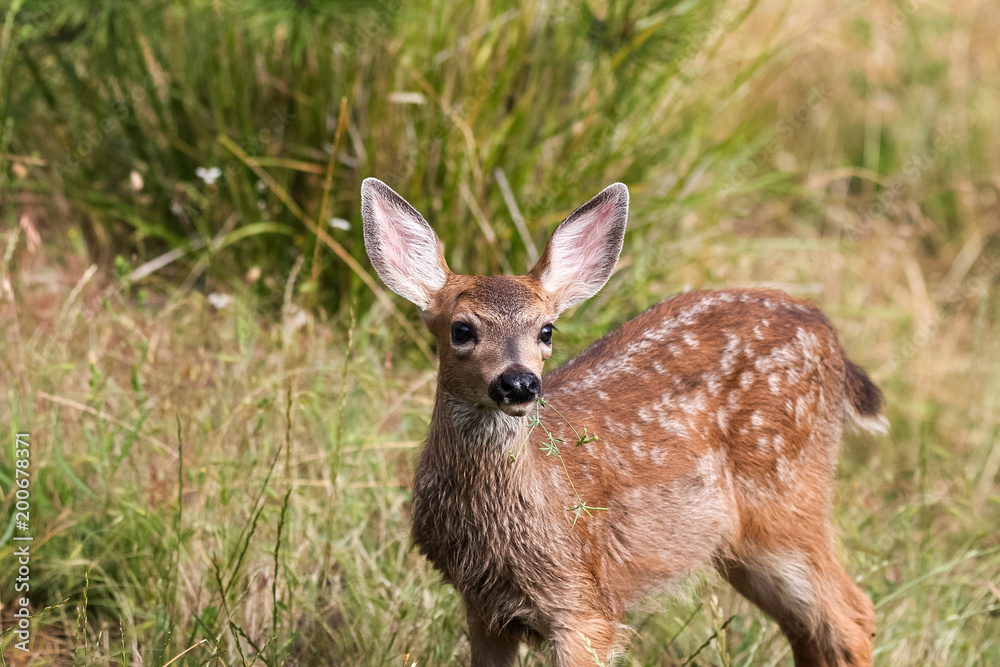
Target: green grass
[{"x": 233, "y": 482}]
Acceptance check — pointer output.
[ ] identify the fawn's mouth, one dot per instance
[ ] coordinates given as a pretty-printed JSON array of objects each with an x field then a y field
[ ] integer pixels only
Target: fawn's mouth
[{"x": 517, "y": 409}]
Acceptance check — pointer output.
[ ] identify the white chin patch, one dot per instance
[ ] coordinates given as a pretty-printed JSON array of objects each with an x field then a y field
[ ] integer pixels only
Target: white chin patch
[{"x": 518, "y": 409}]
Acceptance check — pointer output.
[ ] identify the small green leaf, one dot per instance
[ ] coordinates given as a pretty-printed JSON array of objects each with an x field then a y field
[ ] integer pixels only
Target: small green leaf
[
  {"x": 551, "y": 445},
  {"x": 583, "y": 507}
]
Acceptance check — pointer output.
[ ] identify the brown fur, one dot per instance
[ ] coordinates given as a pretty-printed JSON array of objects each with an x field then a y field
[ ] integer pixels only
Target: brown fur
[
  {"x": 719, "y": 417},
  {"x": 692, "y": 493}
]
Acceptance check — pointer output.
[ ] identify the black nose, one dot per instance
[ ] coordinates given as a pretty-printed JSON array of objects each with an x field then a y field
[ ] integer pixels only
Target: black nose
[{"x": 516, "y": 386}]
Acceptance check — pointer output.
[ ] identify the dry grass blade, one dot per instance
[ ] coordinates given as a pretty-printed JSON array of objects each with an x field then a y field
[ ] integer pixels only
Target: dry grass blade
[
  {"x": 154, "y": 265},
  {"x": 185, "y": 652},
  {"x": 515, "y": 214},
  {"x": 324, "y": 205}
]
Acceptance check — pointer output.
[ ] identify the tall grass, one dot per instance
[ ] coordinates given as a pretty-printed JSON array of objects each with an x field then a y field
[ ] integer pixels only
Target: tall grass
[
  {"x": 439, "y": 97},
  {"x": 225, "y": 480}
]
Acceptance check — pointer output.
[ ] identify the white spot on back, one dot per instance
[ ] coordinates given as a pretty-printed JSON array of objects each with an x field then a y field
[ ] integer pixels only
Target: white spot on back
[
  {"x": 673, "y": 425},
  {"x": 712, "y": 382},
  {"x": 730, "y": 352},
  {"x": 803, "y": 408},
  {"x": 721, "y": 417},
  {"x": 613, "y": 426},
  {"x": 659, "y": 455},
  {"x": 809, "y": 342},
  {"x": 637, "y": 450},
  {"x": 734, "y": 399},
  {"x": 785, "y": 472},
  {"x": 693, "y": 405}
]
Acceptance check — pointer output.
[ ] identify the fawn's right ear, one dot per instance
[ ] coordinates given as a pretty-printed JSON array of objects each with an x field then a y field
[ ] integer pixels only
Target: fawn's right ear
[{"x": 404, "y": 250}]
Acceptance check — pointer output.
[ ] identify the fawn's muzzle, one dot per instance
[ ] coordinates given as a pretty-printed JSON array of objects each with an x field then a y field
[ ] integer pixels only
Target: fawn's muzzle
[{"x": 515, "y": 386}]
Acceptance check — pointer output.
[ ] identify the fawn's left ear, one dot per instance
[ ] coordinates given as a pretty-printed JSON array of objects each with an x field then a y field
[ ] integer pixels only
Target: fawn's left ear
[
  {"x": 584, "y": 249},
  {"x": 404, "y": 250}
]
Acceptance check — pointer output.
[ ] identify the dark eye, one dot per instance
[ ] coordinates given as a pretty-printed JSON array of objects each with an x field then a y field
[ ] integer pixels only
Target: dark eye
[
  {"x": 546, "y": 334},
  {"x": 461, "y": 333}
]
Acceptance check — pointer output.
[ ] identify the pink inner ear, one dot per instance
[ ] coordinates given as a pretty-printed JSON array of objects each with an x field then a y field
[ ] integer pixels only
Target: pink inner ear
[
  {"x": 583, "y": 253},
  {"x": 395, "y": 237},
  {"x": 592, "y": 238},
  {"x": 584, "y": 245},
  {"x": 409, "y": 249},
  {"x": 405, "y": 239}
]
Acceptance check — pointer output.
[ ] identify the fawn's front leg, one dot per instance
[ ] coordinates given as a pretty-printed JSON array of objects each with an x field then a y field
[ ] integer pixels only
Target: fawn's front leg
[
  {"x": 491, "y": 648},
  {"x": 583, "y": 643}
]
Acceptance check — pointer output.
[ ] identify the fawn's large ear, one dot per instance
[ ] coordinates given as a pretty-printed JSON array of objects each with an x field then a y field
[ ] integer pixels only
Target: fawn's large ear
[
  {"x": 404, "y": 250},
  {"x": 584, "y": 249}
]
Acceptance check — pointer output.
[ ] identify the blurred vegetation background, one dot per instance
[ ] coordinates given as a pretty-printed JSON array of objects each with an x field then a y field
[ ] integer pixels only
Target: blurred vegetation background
[{"x": 225, "y": 405}]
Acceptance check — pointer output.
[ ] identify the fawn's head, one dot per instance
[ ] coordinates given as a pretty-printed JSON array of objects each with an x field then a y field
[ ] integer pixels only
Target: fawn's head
[{"x": 493, "y": 332}]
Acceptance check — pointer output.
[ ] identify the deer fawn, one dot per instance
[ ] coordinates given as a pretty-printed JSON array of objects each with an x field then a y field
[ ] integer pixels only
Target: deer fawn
[{"x": 719, "y": 417}]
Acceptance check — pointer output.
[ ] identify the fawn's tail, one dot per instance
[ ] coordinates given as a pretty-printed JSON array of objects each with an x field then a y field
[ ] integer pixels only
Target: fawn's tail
[{"x": 864, "y": 401}]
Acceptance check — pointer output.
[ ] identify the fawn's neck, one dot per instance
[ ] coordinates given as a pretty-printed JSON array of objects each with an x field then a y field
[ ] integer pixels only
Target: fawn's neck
[
  {"x": 466, "y": 478},
  {"x": 476, "y": 511}
]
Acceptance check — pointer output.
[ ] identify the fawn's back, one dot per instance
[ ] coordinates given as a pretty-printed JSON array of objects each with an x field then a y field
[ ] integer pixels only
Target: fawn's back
[
  {"x": 718, "y": 418},
  {"x": 724, "y": 408}
]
